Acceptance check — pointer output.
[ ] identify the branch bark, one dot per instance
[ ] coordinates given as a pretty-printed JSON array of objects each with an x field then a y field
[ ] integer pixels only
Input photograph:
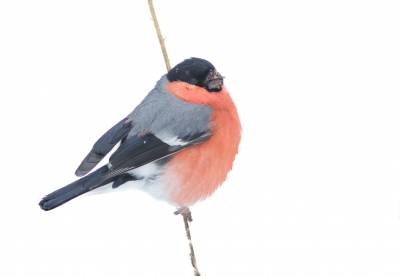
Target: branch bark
[
  {"x": 186, "y": 219},
  {"x": 160, "y": 37}
]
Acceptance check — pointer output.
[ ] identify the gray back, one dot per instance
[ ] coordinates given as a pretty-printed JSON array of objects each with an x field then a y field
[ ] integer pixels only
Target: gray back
[{"x": 162, "y": 113}]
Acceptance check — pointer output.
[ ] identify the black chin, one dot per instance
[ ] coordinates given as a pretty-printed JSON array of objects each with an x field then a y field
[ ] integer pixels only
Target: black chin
[{"x": 214, "y": 90}]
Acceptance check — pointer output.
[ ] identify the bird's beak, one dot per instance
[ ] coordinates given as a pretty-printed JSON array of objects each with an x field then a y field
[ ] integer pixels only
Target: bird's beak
[{"x": 214, "y": 81}]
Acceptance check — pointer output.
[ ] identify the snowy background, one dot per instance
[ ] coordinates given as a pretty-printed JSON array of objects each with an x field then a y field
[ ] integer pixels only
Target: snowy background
[{"x": 315, "y": 189}]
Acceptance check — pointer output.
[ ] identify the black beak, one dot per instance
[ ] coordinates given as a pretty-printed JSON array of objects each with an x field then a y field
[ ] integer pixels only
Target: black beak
[{"x": 214, "y": 81}]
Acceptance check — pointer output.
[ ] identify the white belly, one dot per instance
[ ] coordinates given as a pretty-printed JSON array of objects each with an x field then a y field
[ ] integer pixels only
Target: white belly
[{"x": 151, "y": 182}]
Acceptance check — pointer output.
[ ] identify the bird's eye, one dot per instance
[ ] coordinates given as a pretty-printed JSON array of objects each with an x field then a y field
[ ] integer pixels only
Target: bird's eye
[{"x": 192, "y": 81}]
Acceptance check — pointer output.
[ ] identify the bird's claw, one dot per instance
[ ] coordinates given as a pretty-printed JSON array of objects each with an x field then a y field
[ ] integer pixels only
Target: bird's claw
[{"x": 185, "y": 212}]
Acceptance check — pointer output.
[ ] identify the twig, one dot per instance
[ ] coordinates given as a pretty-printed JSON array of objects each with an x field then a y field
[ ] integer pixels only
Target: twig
[
  {"x": 160, "y": 38},
  {"x": 186, "y": 218},
  {"x": 186, "y": 215}
]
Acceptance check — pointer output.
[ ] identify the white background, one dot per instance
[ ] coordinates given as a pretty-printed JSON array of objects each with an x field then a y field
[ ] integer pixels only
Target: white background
[{"x": 315, "y": 189}]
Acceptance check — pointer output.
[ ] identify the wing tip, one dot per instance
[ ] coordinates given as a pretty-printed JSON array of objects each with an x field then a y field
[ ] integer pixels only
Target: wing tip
[
  {"x": 80, "y": 173},
  {"x": 43, "y": 206}
]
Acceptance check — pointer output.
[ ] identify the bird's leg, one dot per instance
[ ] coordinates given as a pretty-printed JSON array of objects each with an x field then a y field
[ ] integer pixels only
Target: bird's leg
[{"x": 185, "y": 212}]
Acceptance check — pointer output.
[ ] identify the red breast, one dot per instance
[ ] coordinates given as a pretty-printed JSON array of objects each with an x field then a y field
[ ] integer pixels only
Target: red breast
[{"x": 195, "y": 173}]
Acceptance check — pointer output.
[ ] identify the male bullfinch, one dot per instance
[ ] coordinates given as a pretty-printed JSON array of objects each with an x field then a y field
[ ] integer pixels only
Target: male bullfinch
[{"x": 180, "y": 141}]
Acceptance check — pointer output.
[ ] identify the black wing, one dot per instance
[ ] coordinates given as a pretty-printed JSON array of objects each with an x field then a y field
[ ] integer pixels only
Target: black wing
[
  {"x": 140, "y": 150},
  {"x": 104, "y": 145}
]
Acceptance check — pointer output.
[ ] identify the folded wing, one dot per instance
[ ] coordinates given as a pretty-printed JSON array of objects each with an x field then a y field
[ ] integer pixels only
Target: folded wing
[
  {"x": 104, "y": 145},
  {"x": 140, "y": 150}
]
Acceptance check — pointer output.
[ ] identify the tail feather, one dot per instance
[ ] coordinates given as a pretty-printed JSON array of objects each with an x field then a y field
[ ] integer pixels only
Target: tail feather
[{"x": 74, "y": 189}]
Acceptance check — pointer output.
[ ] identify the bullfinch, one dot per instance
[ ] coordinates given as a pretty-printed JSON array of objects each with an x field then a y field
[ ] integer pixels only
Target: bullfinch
[{"x": 180, "y": 142}]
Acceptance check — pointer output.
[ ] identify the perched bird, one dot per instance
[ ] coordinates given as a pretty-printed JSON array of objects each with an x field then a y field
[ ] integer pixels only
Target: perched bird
[{"x": 179, "y": 142}]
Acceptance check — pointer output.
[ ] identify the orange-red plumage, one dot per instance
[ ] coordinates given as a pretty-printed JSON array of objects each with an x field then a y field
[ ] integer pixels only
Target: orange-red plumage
[{"x": 195, "y": 173}]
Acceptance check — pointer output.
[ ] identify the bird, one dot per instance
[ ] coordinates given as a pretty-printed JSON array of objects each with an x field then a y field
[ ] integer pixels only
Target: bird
[{"x": 180, "y": 142}]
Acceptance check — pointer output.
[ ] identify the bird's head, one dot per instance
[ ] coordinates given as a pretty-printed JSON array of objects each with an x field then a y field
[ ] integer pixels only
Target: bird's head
[{"x": 198, "y": 72}]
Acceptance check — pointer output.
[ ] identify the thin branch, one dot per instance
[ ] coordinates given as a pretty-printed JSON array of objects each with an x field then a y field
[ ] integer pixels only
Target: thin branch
[
  {"x": 160, "y": 37},
  {"x": 186, "y": 213},
  {"x": 186, "y": 219}
]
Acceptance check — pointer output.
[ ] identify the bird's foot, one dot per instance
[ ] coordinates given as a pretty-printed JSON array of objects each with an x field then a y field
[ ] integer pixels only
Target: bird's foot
[{"x": 185, "y": 212}]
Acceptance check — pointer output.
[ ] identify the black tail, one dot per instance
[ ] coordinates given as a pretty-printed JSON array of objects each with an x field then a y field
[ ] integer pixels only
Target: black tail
[{"x": 74, "y": 189}]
